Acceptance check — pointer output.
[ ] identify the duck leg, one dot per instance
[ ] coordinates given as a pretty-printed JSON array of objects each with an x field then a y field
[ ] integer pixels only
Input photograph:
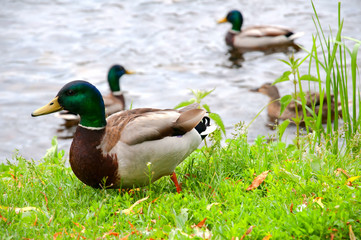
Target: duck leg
[{"x": 174, "y": 179}]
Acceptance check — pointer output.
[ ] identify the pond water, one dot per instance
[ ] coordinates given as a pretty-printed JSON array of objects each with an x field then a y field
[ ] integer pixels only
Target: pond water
[{"x": 174, "y": 46}]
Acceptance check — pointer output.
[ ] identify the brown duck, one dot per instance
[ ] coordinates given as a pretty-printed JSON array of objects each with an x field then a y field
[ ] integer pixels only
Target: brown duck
[
  {"x": 274, "y": 107},
  {"x": 129, "y": 148}
]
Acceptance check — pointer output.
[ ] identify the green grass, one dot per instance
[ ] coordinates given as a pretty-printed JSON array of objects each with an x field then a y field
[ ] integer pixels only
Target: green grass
[{"x": 67, "y": 209}]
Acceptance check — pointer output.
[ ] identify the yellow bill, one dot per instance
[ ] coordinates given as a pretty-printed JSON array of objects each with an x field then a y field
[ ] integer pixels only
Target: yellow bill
[
  {"x": 223, "y": 20},
  {"x": 51, "y": 107},
  {"x": 129, "y": 72}
]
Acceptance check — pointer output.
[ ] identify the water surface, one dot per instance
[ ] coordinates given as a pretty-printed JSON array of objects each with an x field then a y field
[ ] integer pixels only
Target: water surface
[{"x": 173, "y": 45}]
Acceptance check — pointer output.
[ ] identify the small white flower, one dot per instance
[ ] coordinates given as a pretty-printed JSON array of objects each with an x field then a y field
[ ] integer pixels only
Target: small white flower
[{"x": 149, "y": 163}]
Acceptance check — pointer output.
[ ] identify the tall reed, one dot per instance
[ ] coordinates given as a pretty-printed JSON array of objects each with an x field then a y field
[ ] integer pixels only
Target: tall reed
[
  {"x": 329, "y": 56},
  {"x": 335, "y": 55}
]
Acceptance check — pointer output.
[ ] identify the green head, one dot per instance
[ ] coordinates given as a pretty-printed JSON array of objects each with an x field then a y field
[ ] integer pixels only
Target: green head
[
  {"x": 114, "y": 75},
  {"x": 235, "y": 17},
  {"x": 78, "y": 97}
]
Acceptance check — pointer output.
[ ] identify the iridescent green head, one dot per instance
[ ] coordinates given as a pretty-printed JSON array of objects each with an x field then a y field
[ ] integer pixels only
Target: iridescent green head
[
  {"x": 235, "y": 17},
  {"x": 78, "y": 97},
  {"x": 114, "y": 75}
]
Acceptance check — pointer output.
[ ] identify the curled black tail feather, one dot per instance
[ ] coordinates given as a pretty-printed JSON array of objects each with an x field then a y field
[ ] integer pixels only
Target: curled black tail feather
[
  {"x": 289, "y": 34},
  {"x": 202, "y": 126}
]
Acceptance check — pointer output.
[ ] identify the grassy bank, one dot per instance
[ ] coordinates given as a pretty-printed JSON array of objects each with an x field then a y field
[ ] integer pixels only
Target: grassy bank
[
  {"x": 308, "y": 196},
  {"x": 309, "y": 190}
]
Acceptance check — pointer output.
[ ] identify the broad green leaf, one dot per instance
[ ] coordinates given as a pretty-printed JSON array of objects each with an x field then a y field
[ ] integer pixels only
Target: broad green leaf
[
  {"x": 285, "y": 100},
  {"x": 283, "y": 78},
  {"x": 282, "y": 127},
  {"x": 218, "y": 120},
  {"x": 284, "y": 61},
  {"x": 206, "y": 107},
  {"x": 308, "y": 77},
  {"x": 185, "y": 103},
  {"x": 199, "y": 94},
  {"x": 206, "y": 93}
]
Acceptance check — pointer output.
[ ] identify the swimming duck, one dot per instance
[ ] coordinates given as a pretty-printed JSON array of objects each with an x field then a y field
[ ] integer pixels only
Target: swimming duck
[
  {"x": 274, "y": 107},
  {"x": 255, "y": 37},
  {"x": 113, "y": 102},
  {"x": 121, "y": 150}
]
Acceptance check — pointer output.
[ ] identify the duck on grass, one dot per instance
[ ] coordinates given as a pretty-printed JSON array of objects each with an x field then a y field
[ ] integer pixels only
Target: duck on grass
[{"x": 119, "y": 149}]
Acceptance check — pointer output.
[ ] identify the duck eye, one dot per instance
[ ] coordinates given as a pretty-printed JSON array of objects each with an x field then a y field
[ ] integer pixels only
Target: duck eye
[{"x": 70, "y": 92}]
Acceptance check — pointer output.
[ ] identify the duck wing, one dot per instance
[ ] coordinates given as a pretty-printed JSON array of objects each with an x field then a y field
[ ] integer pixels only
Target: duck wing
[
  {"x": 148, "y": 124},
  {"x": 265, "y": 31}
]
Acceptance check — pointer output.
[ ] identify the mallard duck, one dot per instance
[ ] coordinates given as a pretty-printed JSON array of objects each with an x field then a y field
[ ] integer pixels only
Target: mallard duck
[
  {"x": 113, "y": 102},
  {"x": 255, "y": 37},
  {"x": 274, "y": 107},
  {"x": 121, "y": 150}
]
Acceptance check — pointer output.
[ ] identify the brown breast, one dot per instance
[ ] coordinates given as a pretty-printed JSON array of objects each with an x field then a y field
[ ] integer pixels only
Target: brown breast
[
  {"x": 229, "y": 38},
  {"x": 87, "y": 161}
]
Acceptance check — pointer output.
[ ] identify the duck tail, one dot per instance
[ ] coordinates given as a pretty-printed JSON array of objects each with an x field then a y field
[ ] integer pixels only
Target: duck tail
[
  {"x": 292, "y": 35},
  {"x": 204, "y": 127}
]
